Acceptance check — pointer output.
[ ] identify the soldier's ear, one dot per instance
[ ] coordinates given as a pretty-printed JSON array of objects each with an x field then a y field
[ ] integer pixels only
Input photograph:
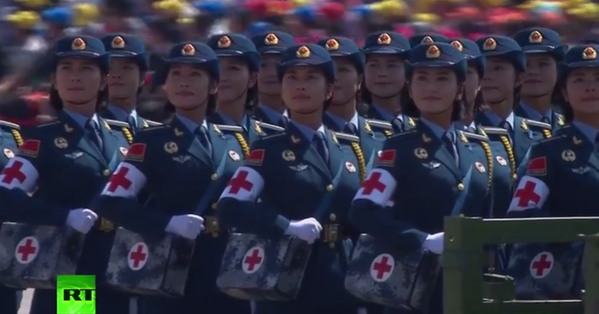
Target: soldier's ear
[
  {"x": 519, "y": 79},
  {"x": 360, "y": 81},
  {"x": 565, "y": 94},
  {"x": 142, "y": 79},
  {"x": 329, "y": 92},
  {"x": 408, "y": 86},
  {"x": 253, "y": 80},
  {"x": 213, "y": 87}
]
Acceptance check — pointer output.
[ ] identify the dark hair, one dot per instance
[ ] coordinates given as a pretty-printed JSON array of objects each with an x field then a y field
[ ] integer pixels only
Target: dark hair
[
  {"x": 408, "y": 107},
  {"x": 479, "y": 104},
  {"x": 564, "y": 106}
]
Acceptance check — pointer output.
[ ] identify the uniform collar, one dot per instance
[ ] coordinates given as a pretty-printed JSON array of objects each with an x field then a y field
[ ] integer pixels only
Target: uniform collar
[
  {"x": 436, "y": 129},
  {"x": 460, "y": 125},
  {"x": 387, "y": 116},
  {"x": 496, "y": 120},
  {"x": 122, "y": 115},
  {"x": 341, "y": 123},
  {"x": 228, "y": 121},
  {"x": 307, "y": 132},
  {"x": 190, "y": 125},
  {"x": 80, "y": 119},
  {"x": 589, "y": 132},
  {"x": 533, "y": 114}
]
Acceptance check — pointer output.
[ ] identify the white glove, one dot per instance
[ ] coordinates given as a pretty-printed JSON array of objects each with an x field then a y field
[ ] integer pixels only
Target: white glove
[
  {"x": 187, "y": 226},
  {"x": 307, "y": 229},
  {"x": 434, "y": 242},
  {"x": 81, "y": 219}
]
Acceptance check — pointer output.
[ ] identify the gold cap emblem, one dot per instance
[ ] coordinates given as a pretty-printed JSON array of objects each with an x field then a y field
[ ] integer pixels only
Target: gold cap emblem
[
  {"x": 224, "y": 42},
  {"x": 303, "y": 52},
  {"x": 270, "y": 39},
  {"x": 118, "y": 43},
  {"x": 384, "y": 39},
  {"x": 490, "y": 44},
  {"x": 589, "y": 53},
  {"x": 535, "y": 37},
  {"x": 457, "y": 45},
  {"x": 433, "y": 52},
  {"x": 332, "y": 44},
  {"x": 188, "y": 50},
  {"x": 78, "y": 44},
  {"x": 427, "y": 40}
]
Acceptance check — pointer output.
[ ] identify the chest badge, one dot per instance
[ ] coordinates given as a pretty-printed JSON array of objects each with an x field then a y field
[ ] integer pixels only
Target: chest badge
[
  {"x": 421, "y": 153},
  {"x": 288, "y": 155},
  {"x": 8, "y": 153},
  {"x": 123, "y": 150},
  {"x": 480, "y": 167},
  {"x": 61, "y": 142},
  {"x": 350, "y": 167},
  {"x": 568, "y": 155},
  {"x": 501, "y": 160},
  {"x": 171, "y": 147},
  {"x": 234, "y": 155}
]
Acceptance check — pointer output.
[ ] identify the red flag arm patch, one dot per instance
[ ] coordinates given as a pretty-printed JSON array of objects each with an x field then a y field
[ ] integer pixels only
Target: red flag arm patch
[
  {"x": 386, "y": 158},
  {"x": 255, "y": 158},
  {"x": 136, "y": 152},
  {"x": 30, "y": 148},
  {"x": 537, "y": 167}
]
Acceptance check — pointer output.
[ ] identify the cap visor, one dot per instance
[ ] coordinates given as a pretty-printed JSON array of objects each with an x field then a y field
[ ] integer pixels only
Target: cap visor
[
  {"x": 78, "y": 54},
  {"x": 186, "y": 60},
  {"x": 228, "y": 53},
  {"x": 433, "y": 64},
  {"x": 383, "y": 50},
  {"x": 122, "y": 54}
]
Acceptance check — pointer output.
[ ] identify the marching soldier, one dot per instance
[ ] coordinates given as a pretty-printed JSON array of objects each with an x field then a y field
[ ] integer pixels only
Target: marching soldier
[
  {"x": 128, "y": 66},
  {"x": 271, "y": 107},
  {"x": 435, "y": 156},
  {"x": 77, "y": 152},
  {"x": 384, "y": 80},
  {"x": 558, "y": 171},
  {"x": 543, "y": 52},
  {"x": 304, "y": 179},
  {"x": 342, "y": 115},
  {"x": 427, "y": 39},
  {"x": 239, "y": 63},
  {"x": 503, "y": 76},
  {"x": 194, "y": 155}
]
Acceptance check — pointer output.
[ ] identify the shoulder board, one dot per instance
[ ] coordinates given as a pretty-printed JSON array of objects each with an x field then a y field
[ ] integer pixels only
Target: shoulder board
[
  {"x": 153, "y": 129},
  {"x": 538, "y": 124},
  {"x": 48, "y": 124},
  {"x": 230, "y": 128},
  {"x": 404, "y": 134},
  {"x": 10, "y": 124},
  {"x": 493, "y": 130},
  {"x": 347, "y": 137},
  {"x": 380, "y": 124},
  {"x": 475, "y": 136},
  {"x": 273, "y": 136},
  {"x": 117, "y": 123},
  {"x": 152, "y": 123},
  {"x": 270, "y": 126}
]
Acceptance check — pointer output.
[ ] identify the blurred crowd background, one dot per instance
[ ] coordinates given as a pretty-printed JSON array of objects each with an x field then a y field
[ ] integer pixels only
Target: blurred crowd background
[{"x": 30, "y": 27}]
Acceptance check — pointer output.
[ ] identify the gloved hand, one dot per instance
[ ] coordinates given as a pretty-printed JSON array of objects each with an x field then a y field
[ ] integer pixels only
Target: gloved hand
[
  {"x": 307, "y": 229},
  {"x": 81, "y": 219},
  {"x": 434, "y": 242},
  {"x": 187, "y": 226}
]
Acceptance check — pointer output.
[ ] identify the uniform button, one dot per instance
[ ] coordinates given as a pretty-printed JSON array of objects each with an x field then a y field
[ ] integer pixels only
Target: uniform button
[
  {"x": 515, "y": 177},
  {"x": 460, "y": 186},
  {"x": 106, "y": 172},
  {"x": 330, "y": 187},
  {"x": 332, "y": 217},
  {"x": 214, "y": 176},
  {"x": 332, "y": 245},
  {"x": 214, "y": 205}
]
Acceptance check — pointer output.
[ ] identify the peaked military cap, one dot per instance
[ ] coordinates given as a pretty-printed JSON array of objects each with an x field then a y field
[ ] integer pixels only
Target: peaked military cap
[
  {"x": 471, "y": 53},
  {"x": 274, "y": 42},
  {"x": 126, "y": 46},
  {"x": 236, "y": 45},
  {"x": 541, "y": 40},
  {"x": 346, "y": 48},
  {"x": 81, "y": 47},
  {"x": 437, "y": 55},
  {"x": 427, "y": 39},
  {"x": 307, "y": 55},
  {"x": 190, "y": 52},
  {"x": 579, "y": 57},
  {"x": 386, "y": 43},
  {"x": 503, "y": 47}
]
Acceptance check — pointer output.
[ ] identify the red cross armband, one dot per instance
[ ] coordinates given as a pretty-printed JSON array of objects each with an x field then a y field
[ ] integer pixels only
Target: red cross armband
[
  {"x": 126, "y": 181},
  {"x": 378, "y": 188},
  {"x": 19, "y": 173},
  {"x": 531, "y": 193},
  {"x": 246, "y": 185}
]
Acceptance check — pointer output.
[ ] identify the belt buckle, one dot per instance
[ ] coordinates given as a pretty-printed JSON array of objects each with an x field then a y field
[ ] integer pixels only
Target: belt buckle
[
  {"x": 331, "y": 234},
  {"x": 106, "y": 225},
  {"x": 212, "y": 226}
]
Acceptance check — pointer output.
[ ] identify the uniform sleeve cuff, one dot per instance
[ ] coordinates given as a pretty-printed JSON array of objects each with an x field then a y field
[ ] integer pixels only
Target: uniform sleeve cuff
[{"x": 282, "y": 224}]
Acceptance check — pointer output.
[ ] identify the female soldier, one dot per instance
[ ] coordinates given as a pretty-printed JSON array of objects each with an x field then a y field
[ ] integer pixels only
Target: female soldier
[
  {"x": 500, "y": 89},
  {"x": 384, "y": 79},
  {"x": 342, "y": 115},
  {"x": 442, "y": 159},
  {"x": 543, "y": 51},
  {"x": 173, "y": 163},
  {"x": 80, "y": 151},
  {"x": 293, "y": 174},
  {"x": 270, "y": 46},
  {"x": 239, "y": 62}
]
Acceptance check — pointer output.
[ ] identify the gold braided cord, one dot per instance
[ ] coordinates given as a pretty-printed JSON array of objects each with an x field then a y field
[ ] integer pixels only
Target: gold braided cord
[
  {"x": 510, "y": 155},
  {"x": 361, "y": 160},
  {"x": 244, "y": 144},
  {"x": 128, "y": 135},
  {"x": 18, "y": 137},
  {"x": 546, "y": 133},
  {"x": 489, "y": 156}
]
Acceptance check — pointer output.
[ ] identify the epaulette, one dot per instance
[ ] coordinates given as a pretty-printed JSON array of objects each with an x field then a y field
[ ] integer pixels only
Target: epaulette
[
  {"x": 230, "y": 128},
  {"x": 380, "y": 124},
  {"x": 152, "y": 123},
  {"x": 10, "y": 124},
  {"x": 404, "y": 134},
  {"x": 273, "y": 136},
  {"x": 347, "y": 137},
  {"x": 475, "y": 136},
  {"x": 494, "y": 130},
  {"x": 117, "y": 123},
  {"x": 270, "y": 126},
  {"x": 538, "y": 124}
]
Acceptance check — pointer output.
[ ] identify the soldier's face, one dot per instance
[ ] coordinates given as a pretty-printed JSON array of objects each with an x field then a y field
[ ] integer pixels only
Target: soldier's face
[
  {"x": 78, "y": 80},
  {"x": 347, "y": 82},
  {"x": 124, "y": 78},
  {"x": 582, "y": 90},
  {"x": 434, "y": 90},
  {"x": 384, "y": 75},
  {"x": 541, "y": 75},
  {"x": 472, "y": 84},
  {"x": 305, "y": 89},
  {"x": 499, "y": 82},
  {"x": 187, "y": 86},
  {"x": 268, "y": 82},
  {"x": 235, "y": 80}
]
